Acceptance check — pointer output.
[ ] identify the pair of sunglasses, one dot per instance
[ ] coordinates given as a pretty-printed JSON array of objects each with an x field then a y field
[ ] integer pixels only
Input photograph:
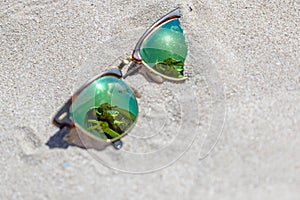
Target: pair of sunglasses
[{"x": 105, "y": 109}]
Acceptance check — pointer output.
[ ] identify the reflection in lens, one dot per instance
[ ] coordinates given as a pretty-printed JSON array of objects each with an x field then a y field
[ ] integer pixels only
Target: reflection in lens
[
  {"x": 107, "y": 108},
  {"x": 165, "y": 49}
]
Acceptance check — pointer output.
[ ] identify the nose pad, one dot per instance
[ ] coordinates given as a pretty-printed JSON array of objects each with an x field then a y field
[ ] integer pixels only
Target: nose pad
[
  {"x": 129, "y": 67},
  {"x": 136, "y": 93}
]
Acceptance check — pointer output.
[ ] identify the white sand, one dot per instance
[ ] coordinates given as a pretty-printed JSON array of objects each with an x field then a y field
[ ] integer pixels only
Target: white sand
[{"x": 248, "y": 52}]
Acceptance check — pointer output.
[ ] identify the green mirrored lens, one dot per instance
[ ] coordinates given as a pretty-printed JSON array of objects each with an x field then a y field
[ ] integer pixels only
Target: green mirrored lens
[
  {"x": 165, "y": 49},
  {"x": 107, "y": 108}
]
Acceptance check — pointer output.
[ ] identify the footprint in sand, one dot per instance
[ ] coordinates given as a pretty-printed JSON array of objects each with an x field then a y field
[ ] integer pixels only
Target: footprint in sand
[{"x": 28, "y": 140}]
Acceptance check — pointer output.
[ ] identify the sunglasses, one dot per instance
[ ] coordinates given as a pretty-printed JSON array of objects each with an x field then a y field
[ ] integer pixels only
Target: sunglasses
[{"x": 105, "y": 109}]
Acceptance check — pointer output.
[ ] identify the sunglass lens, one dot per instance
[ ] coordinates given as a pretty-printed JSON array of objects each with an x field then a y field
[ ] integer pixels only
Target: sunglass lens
[
  {"x": 107, "y": 108},
  {"x": 165, "y": 49}
]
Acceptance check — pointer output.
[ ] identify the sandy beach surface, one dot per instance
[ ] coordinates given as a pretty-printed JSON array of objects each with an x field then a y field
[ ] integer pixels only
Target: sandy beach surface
[{"x": 231, "y": 131}]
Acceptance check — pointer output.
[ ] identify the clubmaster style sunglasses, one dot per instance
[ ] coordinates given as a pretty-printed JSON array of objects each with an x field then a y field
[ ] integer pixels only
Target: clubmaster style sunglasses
[{"x": 105, "y": 109}]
